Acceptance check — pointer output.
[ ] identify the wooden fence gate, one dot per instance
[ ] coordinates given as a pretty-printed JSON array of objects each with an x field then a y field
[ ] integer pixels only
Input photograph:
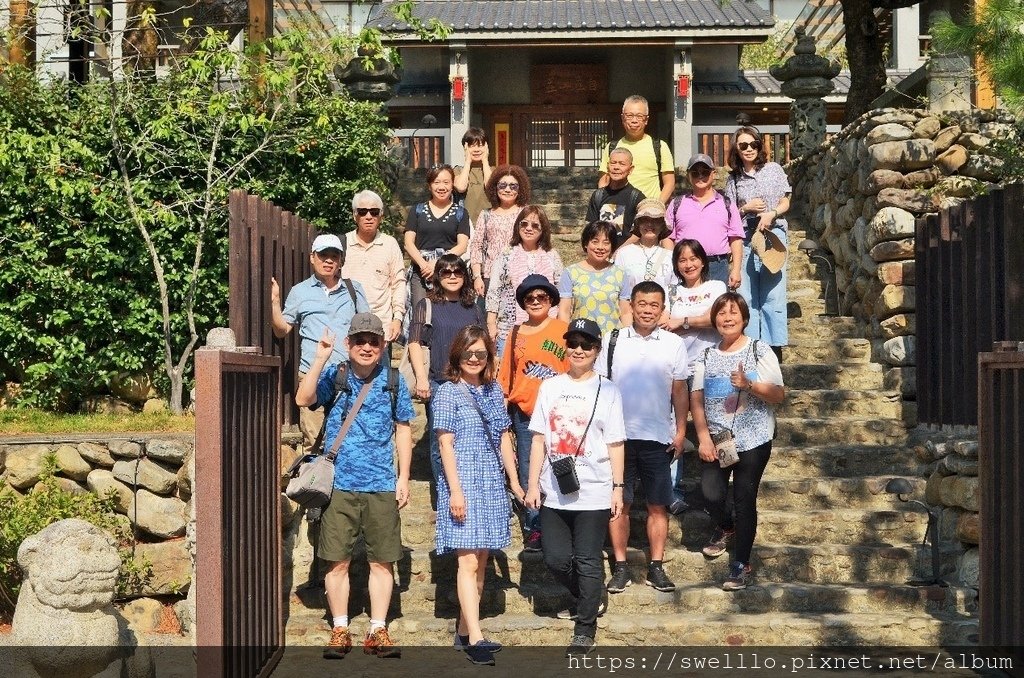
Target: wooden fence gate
[{"x": 239, "y": 594}]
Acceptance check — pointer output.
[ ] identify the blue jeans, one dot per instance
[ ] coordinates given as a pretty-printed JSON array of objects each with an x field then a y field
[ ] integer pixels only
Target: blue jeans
[
  {"x": 524, "y": 441},
  {"x": 765, "y": 293},
  {"x": 435, "y": 448},
  {"x": 719, "y": 270}
]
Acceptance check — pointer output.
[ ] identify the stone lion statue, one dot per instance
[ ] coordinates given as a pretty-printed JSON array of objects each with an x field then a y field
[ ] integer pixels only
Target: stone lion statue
[{"x": 65, "y": 623}]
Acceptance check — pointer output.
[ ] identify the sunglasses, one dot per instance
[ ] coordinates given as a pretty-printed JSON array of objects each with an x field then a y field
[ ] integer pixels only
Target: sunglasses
[
  {"x": 479, "y": 354},
  {"x": 701, "y": 173},
  {"x": 371, "y": 339},
  {"x": 744, "y": 145},
  {"x": 572, "y": 344},
  {"x": 451, "y": 273},
  {"x": 510, "y": 185},
  {"x": 532, "y": 225},
  {"x": 539, "y": 298},
  {"x": 372, "y": 211}
]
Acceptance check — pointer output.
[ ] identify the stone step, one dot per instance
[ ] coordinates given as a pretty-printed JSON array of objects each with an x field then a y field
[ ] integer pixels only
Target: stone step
[
  {"x": 840, "y": 458},
  {"x": 861, "y": 492},
  {"x": 840, "y": 402},
  {"x": 824, "y": 351},
  {"x": 575, "y": 195},
  {"x": 545, "y": 599},
  {"x": 844, "y": 430},
  {"x": 868, "y": 376},
  {"x": 682, "y": 629}
]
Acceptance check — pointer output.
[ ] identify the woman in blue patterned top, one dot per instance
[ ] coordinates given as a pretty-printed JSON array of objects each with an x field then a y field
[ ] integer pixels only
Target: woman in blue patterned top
[
  {"x": 735, "y": 386},
  {"x": 472, "y": 427}
]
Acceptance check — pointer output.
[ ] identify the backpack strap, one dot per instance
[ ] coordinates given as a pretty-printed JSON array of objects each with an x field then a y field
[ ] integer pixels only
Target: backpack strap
[
  {"x": 657, "y": 159},
  {"x": 351, "y": 292},
  {"x": 392, "y": 389},
  {"x": 340, "y": 388},
  {"x": 512, "y": 347},
  {"x": 612, "y": 340}
]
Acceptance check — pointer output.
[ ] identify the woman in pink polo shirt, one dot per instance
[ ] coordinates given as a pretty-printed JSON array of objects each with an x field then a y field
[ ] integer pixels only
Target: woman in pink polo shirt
[{"x": 707, "y": 216}]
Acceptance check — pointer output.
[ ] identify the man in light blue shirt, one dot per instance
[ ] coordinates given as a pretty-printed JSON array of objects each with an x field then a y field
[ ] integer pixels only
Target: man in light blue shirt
[{"x": 324, "y": 301}]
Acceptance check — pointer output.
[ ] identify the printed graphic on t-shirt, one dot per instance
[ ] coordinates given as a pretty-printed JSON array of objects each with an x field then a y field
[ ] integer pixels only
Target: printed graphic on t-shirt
[
  {"x": 537, "y": 370},
  {"x": 567, "y": 422},
  {"x": 614, "y": 213}
]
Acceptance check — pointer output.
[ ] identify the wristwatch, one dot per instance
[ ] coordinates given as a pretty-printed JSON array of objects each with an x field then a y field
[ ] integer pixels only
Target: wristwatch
[{"x": 686, "y": 323}]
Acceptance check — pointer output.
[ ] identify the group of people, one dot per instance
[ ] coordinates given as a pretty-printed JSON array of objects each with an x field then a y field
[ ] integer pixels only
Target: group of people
[{"x": 557, "y": 389}]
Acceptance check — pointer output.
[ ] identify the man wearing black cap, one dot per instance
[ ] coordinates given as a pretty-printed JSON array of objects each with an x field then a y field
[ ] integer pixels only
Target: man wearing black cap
[{"x": 368, "y": 492}]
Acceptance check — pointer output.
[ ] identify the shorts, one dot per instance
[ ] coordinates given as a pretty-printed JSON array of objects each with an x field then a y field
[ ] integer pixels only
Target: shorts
[
  {"x": 374, "y": 514},
  {"x": 648, "y": 461}
]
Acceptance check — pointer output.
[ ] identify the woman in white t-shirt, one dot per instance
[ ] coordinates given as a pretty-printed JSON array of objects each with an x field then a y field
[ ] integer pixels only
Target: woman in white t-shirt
[
  {"x": 736, "y": 386},
  {"x": 578, "y": 416},
  {"x": 690, "y": 298}
]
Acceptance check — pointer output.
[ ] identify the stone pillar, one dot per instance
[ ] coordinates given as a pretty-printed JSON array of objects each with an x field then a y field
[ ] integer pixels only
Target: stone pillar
[
  {"x": 807, "y": 79},
  {"x": 458, "y": 67},
  {"x": 906, "y": 39},
  {"x": 681, "y": 109}
]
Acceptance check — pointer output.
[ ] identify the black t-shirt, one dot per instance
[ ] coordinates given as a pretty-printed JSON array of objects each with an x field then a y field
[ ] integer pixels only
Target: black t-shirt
[
  {"x": 437, "y": 232},
  {"x": 617, "y": 205}
]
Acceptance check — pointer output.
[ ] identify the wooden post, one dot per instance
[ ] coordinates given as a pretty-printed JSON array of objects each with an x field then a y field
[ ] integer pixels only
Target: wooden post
[
  {"x": 23, "y": 32},
  {"x": 984, "y": 91},
  {"x": 261, "y": 20}
]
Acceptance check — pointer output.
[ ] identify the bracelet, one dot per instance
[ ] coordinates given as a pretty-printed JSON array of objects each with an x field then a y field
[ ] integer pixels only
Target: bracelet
[{"x": 614, "y": 485}]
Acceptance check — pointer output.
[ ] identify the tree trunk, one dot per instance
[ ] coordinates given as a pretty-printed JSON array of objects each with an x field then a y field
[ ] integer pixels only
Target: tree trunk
[
  {"x": 864, "y": 51},
  {"x": 140, "y": 41},
  {"x": 177, "y": 391}
]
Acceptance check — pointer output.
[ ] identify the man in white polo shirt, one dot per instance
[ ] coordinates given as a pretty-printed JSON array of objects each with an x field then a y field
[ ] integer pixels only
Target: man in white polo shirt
[{"x": 649, "y": 366}]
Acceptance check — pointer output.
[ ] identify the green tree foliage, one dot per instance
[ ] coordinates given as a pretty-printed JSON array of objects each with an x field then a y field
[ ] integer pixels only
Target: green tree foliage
[
  {"x": 996, "y": 34},
  {"x": 113, "y": 210}
]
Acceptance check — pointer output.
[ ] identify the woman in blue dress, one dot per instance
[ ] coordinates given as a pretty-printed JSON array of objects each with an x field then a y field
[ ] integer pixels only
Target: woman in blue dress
[{"x": 472, "y": 427}]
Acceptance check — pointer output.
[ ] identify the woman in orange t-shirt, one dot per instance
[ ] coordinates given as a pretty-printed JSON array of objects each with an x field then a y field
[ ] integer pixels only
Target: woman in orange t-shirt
[{"x": 535, "y": 351}]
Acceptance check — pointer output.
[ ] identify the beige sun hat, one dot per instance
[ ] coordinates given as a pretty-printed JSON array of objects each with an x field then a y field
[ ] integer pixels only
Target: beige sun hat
[{"x": 770, "y": 248}]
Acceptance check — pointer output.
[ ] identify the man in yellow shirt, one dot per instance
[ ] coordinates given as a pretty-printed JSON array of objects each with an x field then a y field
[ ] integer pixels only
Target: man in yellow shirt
[{"x": 653, "y": 174}]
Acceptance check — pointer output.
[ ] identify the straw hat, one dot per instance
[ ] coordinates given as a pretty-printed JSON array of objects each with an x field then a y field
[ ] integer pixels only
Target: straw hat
[{"x": 770, "y": 248}]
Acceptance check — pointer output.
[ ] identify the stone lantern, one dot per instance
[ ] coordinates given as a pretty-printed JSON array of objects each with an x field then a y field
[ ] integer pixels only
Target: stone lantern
[
  {"x": 373, "y": 81},
  {"x": 806, "y": 79}
]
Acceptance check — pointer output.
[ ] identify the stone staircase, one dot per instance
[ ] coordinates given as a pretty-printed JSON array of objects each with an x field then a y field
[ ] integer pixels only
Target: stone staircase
[{"x": 832, "y": 555}]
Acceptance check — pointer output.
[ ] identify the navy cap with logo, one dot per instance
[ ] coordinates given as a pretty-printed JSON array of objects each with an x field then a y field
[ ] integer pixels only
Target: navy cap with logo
[
  {"x": 584, "y": 326},
  {"x": 366, "y": 322}
]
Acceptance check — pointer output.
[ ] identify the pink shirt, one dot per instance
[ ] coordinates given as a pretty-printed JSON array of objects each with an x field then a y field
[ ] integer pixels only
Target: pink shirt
[{"x": 712, "y": 224}]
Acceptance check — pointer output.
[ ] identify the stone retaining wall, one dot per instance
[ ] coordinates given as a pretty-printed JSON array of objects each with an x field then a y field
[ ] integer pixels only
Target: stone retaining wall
[
  {"x": 860, "y": 195},
  {"x": 151, "y": 476}
]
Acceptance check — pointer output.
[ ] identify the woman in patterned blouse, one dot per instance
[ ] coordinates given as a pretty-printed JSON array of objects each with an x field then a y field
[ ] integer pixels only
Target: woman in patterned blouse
[
  {"x": 508, "y": 189},
  {"x": 595, "y": 288},
  {"x": 530, "y": 253},
  {"x": 761, "y": 191}
]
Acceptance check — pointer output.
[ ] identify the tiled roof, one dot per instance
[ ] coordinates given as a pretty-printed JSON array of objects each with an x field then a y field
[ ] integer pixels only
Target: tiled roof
[
  {"x": 309, "y": 15},
  {"x": 761, "y": 83},
  {"x": 558, "y": 16}
]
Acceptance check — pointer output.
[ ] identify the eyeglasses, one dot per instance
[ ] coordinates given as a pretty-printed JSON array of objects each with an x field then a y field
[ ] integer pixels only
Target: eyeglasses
[
  {"x": 510, "y": 185},
  {"x": 532, "y": 225},
  {"x": 371, "y": 339},
  {"x": 451, "y": 273},
  {"x": 572, "y": 344},
  {"x": 538, "y": 298},
  {"x": 702, "y": 173},
  {"x": 634, "y": 116},
  {"x": 479, "y": 354},
  {"x": 372, "y": 211},
  {"x": 744, "y": 145}
]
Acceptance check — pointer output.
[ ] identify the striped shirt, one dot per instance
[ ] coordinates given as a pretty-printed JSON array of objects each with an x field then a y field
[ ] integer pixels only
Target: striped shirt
[
  {"x": 510, "y": 269},
  {"x": 379, "y": 268}
]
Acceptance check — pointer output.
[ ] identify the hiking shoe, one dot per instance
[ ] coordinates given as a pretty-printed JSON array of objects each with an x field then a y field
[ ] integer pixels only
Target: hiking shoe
[
  {"x": 580, "y": 644},
  {"x": 532, "y": 544},
  {"x": 339, "y": 645},
  {"x": 719, "y": 541},
  {"x": 739, "y": 576},
  {"x": 620, "y": 579},
  {"x": 379, "y": 643},
  {"x": 461, "y": 642},
  {"x": 573, "y": 614},
  {"x": 480, "y": 654},
  {"x": 678, "y": 506},
  {"x": 658, "y": 580}
]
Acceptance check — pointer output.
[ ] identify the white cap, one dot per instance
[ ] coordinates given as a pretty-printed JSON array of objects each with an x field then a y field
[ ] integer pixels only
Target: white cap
[{"x": 327, "y": 242}]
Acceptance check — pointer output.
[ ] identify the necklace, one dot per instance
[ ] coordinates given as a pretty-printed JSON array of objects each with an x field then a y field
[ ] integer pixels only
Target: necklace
[{"x": 649, "y": 272}]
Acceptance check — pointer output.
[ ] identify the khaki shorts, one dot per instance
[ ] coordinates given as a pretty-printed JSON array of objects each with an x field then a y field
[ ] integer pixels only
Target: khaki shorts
[
  {"x": 374, "y": 514},
  {"x": 310, "y": 421}
]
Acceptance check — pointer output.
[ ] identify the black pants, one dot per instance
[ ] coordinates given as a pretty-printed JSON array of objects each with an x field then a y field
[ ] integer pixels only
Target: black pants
[
  {"x": 746, "y": 478},
  {"x": 573, "y": 543}
]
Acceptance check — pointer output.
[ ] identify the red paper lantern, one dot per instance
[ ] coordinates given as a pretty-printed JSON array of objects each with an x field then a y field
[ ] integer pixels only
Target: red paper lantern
[
  {"x": 459, "y": 88},
  {"x": 683, "y": 86}
]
